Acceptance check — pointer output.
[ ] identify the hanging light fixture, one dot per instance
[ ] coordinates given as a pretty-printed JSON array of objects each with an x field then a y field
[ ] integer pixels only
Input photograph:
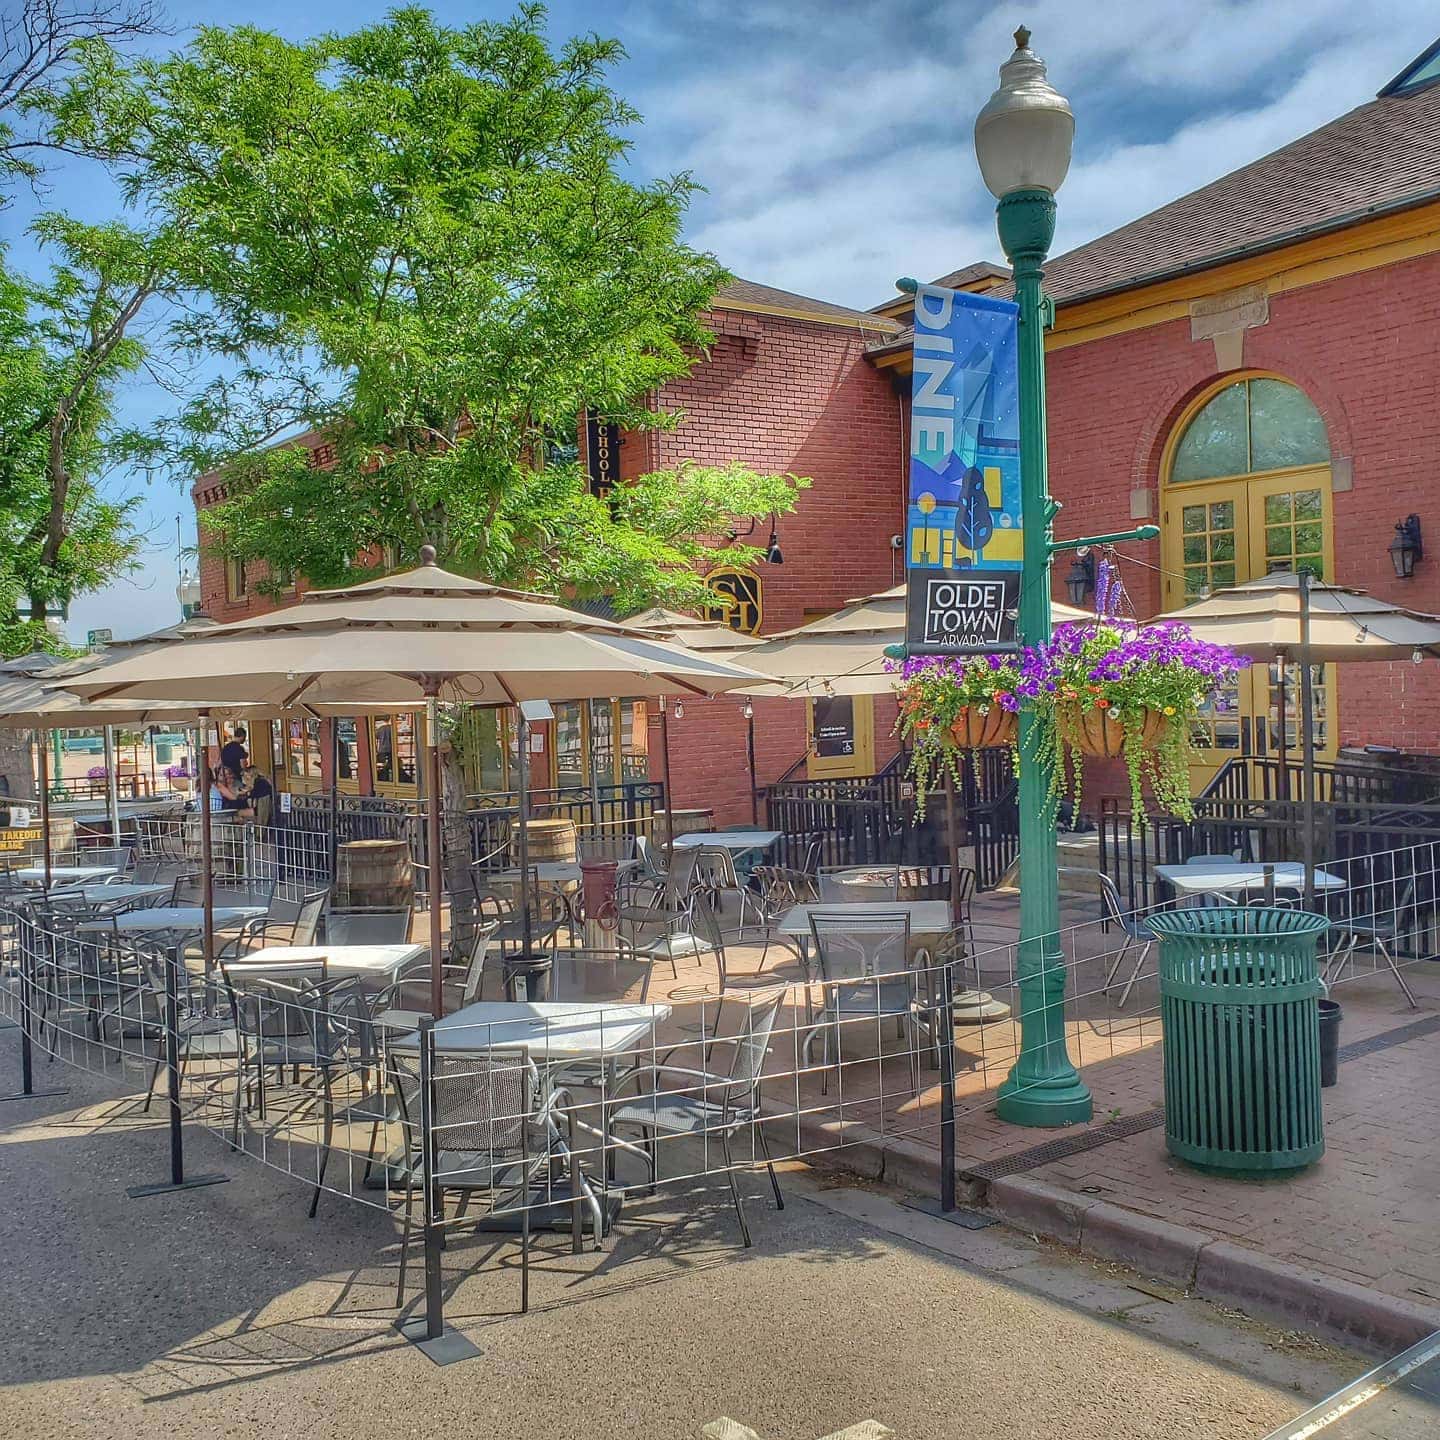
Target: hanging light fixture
[
  {"x": 773, "y": 553},
  {"x": 1406, "y": 548},
  {"x": 749, "y": 711},
  {"x": 679, "y": 710},
  {"x": 1080, "y": 582}
]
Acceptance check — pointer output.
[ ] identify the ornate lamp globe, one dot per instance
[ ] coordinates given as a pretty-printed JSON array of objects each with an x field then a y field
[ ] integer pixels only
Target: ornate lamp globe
[{"x": 1024, "y": 134}]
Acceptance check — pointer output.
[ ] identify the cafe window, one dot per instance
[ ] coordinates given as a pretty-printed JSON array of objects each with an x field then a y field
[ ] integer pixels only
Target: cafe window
[
  {"x": 237, "y": 583},
  {"x": 601, "y": 742},
  {"x": 393, "y": 748},
  {"x": 570, "y": 747},
  {"x": 347, "y": 755},
  {"x": 302, "y": 753},
  {"x": 486, "y": 740}
]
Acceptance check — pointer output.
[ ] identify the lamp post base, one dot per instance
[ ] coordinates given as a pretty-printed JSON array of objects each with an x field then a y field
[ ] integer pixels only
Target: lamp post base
[{"x": 1045, "y": 1104}]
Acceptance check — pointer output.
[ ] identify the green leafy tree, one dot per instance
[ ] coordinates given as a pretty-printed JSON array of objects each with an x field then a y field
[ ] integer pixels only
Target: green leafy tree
[
  {"x": 65, "y": 346},
  {"x": 419, "y": 242}
]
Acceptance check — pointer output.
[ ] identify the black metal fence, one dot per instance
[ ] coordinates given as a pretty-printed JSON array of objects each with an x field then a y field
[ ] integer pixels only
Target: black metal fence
[{"x": 874, "y": 818}]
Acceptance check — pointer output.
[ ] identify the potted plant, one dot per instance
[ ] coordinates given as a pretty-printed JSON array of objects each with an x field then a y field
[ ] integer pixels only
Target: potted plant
[
  {"x": 952, "y": 705},
  {"x": 1120, "y": 691}
]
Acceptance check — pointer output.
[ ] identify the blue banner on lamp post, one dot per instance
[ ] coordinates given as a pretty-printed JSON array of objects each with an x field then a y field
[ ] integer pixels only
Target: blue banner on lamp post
[{"x": 964, "y": 538}]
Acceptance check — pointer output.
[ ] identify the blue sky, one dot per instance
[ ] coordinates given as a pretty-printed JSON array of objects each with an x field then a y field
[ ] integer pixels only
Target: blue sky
[{"x": 834, "y": 136}]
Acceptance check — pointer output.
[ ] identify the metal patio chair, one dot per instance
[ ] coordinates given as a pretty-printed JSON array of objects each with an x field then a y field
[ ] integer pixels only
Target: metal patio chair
[
  {"x": 708, "y": 1105},
  {"x": 306, "y": 1022},
  {"x": 1378, "y": 931},
  {"x": 865, "y": 974},
  {"x": 1135, "y": 931},
  {"x": 368, "y": 925},
  {"x": 496, "y": 1134}
]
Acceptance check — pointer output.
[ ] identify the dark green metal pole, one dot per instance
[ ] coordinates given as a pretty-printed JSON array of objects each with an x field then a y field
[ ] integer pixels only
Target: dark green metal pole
[{"x": 1043, "y": 1087}]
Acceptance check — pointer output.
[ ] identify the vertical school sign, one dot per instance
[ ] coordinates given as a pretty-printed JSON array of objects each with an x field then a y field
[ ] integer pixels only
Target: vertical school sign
[{"x": 964, "y": 541}]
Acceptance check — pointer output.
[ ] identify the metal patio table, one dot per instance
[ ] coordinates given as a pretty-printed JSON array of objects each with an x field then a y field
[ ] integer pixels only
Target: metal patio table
[
  {"x": 375, "y": 966},
  {"x": 77, "y": 874},
  {"x": 1242, "y": 877},
  {"x": 556, "y": 1033},
  {"x": 735, "y": 841},
  {"x": 122, "y": 894}
]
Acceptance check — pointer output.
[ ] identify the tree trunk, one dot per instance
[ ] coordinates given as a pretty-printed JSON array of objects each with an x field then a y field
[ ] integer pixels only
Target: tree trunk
[
  {"x": 455, "y": 837},
  {"x": 17, "y": 766}
]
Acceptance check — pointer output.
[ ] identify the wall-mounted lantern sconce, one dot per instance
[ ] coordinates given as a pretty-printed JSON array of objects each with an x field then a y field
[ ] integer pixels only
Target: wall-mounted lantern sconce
[
  {"x": 1080, "y": 582},
  {"x": 1406, "y": 548}
]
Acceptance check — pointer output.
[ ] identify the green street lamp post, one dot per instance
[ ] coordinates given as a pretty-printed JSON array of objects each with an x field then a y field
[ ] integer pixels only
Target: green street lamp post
[{"x": 1022, "y": 140}]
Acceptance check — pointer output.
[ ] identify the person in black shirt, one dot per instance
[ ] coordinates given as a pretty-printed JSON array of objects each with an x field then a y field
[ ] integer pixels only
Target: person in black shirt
[{"x": 233, "y": 754}]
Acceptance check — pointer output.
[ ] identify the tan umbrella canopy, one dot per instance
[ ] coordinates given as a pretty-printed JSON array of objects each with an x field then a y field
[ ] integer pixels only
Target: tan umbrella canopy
[
  {"x": 400, "y": 640},
  {"x": 1294, "y": 617},
  {"x": 1261, "y": 619},
  {"x": 709, "y": 636},
  {"x": 844, "y": 653},
  {"x": 424, "y": 634}
]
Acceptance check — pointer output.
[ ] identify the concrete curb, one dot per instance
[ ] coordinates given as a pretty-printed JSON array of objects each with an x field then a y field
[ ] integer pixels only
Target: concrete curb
[{"x": 1217, "y": 1270}]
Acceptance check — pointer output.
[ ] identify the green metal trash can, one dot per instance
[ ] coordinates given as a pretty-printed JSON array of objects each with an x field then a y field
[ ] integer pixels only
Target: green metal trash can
[
  {"x": 1239, "y": 992},
  {"x": 164, "y": 752}
]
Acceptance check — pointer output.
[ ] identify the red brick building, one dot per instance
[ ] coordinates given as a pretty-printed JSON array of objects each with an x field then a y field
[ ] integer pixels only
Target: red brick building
[
  {"x": 1254, "y": 367},
  {"x": 786, "y": 387}
]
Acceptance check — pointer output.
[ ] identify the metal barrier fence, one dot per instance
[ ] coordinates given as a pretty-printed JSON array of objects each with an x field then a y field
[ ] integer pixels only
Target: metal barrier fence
[{"x": 730, "y": 1060}]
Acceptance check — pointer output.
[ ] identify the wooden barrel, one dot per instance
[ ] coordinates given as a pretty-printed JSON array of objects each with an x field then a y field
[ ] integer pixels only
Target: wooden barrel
[
  {"x": 550, "y": 840},
  {"x": 374, "y": 873},
  {"x": 687, "y": 822}
]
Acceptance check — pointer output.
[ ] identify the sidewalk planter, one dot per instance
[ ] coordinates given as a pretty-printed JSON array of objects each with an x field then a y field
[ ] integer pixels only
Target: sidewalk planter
[{"x": 1239, "y": 992}]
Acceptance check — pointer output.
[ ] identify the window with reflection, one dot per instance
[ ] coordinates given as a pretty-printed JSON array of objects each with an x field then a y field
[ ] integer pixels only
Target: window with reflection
[
  {"x": 393, "y": 749},
  {"x": 569, "y": 730},
  {"x": 1250, "y": 427},
  {"x": 302, "y": 749}
]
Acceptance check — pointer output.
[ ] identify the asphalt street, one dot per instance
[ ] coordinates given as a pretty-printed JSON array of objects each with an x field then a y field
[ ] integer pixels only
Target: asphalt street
[{"x": 225, "y": 1312}]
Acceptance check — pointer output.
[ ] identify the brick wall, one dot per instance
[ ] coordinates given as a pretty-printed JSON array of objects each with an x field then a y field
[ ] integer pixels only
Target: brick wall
[
  {"x": 784, "y": 396},
  {"x": 1362, "y": 348}
]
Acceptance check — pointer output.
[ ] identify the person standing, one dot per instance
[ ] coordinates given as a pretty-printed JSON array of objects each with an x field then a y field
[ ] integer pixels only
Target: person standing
[{"x": 233, "y": 754}]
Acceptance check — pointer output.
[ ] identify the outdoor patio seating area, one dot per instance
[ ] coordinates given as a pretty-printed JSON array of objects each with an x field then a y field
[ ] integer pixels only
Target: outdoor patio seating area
[{"x": 693, "y": 1031}]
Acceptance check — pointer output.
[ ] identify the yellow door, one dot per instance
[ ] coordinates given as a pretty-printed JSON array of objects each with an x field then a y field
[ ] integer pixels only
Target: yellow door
[
  {"x": 1225, "y": 533},
  {"x": 842, "y": 737}
]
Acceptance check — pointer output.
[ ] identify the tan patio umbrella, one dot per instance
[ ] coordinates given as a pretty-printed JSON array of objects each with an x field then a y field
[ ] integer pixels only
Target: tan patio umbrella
[
  {"x": 1294, "y": 617},
  {"x": 844, "y": 653},
  {"x": 423, "y": 635},
  {"x": 718, "y": 640},
  {"x": 30, "y": 701}
]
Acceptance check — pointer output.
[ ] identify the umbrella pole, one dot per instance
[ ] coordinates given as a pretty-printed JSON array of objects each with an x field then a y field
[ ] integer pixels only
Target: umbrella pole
[
  {"x": 522, "y": 809},
  {"x": 207, "y": 866},
  {"x": 112, "y": 787},
  {"x": 434, "y": 846},
  {"x": 1307, "y": 741},
  {"x": 1282, "y": 784},
  {"x": 665, "y": 774},
  {"x": 750, "y": 754},
  {"x": 41, "y": 742},
  {"x": 334, "y": 797}
]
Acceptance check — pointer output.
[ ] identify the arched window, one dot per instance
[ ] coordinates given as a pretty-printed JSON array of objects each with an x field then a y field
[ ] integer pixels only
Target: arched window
[{"x": 1247, "y": 428}]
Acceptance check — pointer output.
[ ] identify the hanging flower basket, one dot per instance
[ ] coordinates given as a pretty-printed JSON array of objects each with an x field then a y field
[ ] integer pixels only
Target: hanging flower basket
[
  {"x": 975, "y": 728},
  {"x": 1101, "y": 733},
  {"x": 1118, "y": 691},
  {"x": 952, "y": 707}
]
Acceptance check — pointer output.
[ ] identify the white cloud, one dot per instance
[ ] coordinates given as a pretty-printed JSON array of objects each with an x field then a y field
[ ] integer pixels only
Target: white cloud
[{"x": 835, "y": 140}]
